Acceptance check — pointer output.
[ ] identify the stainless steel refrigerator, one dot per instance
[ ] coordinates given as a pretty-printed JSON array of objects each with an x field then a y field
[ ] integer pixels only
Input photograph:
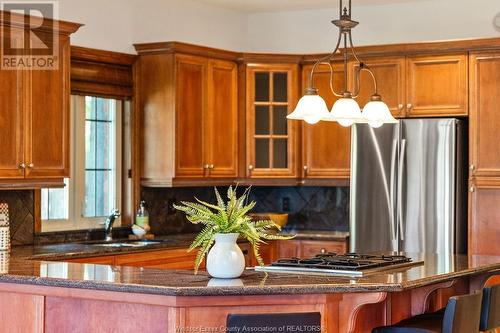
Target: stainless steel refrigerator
[{"x": 409, "y": 187}]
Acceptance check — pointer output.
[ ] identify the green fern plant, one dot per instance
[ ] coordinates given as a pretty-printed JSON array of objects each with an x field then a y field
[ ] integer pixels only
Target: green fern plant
[{"x": 227, "y": 217}]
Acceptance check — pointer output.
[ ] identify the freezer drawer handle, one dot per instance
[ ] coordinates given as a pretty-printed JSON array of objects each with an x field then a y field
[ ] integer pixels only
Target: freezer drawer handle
[
  {"x": 400, "y": 187},
  {"x": 391, "y": 192}
]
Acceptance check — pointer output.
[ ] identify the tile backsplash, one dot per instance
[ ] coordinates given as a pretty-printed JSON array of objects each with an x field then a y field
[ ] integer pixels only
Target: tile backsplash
[
  {"x": 310, "y": 208},
  {"x": 21, "y": 217}
]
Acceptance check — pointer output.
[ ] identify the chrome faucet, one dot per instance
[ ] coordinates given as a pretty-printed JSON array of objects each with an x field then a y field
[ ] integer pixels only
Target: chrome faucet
[{"x": 108, "y": 224}]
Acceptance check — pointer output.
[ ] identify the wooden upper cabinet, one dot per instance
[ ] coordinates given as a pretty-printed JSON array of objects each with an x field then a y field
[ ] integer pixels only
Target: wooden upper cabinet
[
  {"x": 271, "y": 139},
  {"x": 189, "y": 112},
  {"x": 48, "y": 123},
  {"x": 390, "y": 73},
  {"x": 34, "y": 112},
  {"x": 191, "y": 101},
  {"x": 484, "y": 114},
  {"x": 207, "y": 118},
  {"x": 437, "y": 85},
  {"x": 12, "y": 118},
  {"x": 222, "y": 119},
  {"x": 326, "y": 146}
]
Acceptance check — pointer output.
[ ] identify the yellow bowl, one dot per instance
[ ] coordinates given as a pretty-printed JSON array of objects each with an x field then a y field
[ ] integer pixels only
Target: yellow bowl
[{"x": 280, "y": 219}]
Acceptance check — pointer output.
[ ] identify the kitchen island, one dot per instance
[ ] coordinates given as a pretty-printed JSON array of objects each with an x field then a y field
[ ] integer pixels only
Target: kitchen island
[{"x": 44, "y": 296}]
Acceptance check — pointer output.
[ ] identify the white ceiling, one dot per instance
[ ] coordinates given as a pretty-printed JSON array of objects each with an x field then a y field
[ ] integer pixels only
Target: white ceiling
[{"x": 288, "y": 5}]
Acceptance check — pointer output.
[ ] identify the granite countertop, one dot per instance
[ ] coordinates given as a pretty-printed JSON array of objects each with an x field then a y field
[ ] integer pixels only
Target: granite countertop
[
  {"x": 183, "y": 283},
  {"x": 62, "y": 251},
  {"x": 29, "y": 265}
]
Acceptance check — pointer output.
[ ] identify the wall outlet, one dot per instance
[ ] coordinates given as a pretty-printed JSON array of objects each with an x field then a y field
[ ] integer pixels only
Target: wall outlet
[{"x": 285, "y": 204}]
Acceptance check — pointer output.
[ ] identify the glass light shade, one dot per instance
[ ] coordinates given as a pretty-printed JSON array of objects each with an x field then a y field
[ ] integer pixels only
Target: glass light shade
[
  {"x": 311, "y": 109},
  {"x": 346, "y": 112},
  {"x": 376, "y": 113}
]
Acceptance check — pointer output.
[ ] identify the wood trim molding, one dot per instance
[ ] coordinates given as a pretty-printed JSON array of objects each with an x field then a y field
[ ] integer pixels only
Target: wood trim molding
[
  {"x": 185, "y": 48},
  {"x": 18, "y": 20},
  {"x": 431, "y": 47},
  {"x": 37, "y": 212},
  {"x": 420, "y": 296},
  {"x": 264, "y": 58},
  {"x": 102, "y": 73},
  {"x": 486, "y": 182},
  {"x": 448, "y": 46},
  {"x": 102, "y": 56},
  {"x": 351, "y": 304},
  {"x": 30, "y": 183}
]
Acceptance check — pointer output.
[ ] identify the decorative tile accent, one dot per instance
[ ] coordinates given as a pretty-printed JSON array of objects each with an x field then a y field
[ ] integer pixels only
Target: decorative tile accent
[
  {"x": 21, "y": 218},
  {"x": 311, "y": 208}
]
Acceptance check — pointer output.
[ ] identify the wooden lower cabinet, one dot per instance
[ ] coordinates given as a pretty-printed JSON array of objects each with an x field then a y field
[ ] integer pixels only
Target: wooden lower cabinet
[
  {"x": 484, "y": 217},
  {"x": 100, "y": 260},
  {"x": 38, "y": 308},
  {"x": 179, "y": 258},
  {"x": 165, "y": 259},
  {"x": 309, "y": 248}
]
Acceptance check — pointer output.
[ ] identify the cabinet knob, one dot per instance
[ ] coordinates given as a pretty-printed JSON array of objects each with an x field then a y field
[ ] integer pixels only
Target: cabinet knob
[
  {"x": 323, "y": 251},
  {"x": 409, "y": 106},
  {"x": 250, "y": 167},
  {"x": 400, "y": 107},
  {"x": 211, "y": 166},
  {"x": 31, "y": 165},
  {"x": 471, "y": 189},
  {"x": 22, "y": 166},
  {"x": 206, "y": 166},
  {"x": 472, "y": 167},
  {"x": 305, "y": 170}
]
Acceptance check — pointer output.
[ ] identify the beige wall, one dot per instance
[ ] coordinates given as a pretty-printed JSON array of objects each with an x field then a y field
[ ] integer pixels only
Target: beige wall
[
  {"x": 117, "y": 24},
  {"x": 413, "y": 21}
]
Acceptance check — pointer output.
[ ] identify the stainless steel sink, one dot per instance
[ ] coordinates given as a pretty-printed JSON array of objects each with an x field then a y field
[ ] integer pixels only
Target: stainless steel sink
[{"x": 125, "y": 243}]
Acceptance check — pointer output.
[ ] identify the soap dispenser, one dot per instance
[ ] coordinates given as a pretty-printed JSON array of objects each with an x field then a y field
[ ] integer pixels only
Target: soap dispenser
[{"x": 142, "y": 216}]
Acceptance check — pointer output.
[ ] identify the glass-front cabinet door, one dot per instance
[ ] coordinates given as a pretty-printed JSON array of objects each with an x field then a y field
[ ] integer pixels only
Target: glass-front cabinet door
[{"x": 271, "y": 139}]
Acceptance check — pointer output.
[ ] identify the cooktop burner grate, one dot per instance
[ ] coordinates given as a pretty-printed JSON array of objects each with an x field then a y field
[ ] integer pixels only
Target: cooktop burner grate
[{"x": 344, "y": 262}]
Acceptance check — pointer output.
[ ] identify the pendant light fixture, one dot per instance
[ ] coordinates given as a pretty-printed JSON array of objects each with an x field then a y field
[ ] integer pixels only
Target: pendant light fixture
[{"x": 346, "y": 111}]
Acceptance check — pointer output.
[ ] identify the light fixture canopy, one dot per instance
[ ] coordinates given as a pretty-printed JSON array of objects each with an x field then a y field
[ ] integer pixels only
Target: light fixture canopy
[{"x": 346, "y": 111}]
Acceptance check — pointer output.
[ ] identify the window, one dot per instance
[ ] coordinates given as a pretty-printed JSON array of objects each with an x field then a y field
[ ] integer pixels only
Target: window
[
  {"x": 94, "y": 188},
  {"x": 100, "y": 157}
]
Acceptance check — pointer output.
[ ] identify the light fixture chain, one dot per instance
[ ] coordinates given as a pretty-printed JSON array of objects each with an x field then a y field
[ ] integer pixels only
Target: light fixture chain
[{"x": 346, "y": 60}]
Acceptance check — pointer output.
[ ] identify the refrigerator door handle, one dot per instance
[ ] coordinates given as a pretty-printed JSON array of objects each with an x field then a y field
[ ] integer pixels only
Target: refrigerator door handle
[
  {"x": 392, "y": 185},
  {"x": 400, "y": 187}
]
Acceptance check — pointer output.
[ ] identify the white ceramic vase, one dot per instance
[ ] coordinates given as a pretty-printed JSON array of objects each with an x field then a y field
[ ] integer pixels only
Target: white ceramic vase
[{"x": 225, "y": 259}]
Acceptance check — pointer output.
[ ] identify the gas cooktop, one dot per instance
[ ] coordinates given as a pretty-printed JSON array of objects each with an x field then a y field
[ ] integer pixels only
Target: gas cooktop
[{"x": 348, "y": 265}]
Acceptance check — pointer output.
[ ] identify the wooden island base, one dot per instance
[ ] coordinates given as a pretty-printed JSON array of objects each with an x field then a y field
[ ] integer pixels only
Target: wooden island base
[{"x": 34, "y": 308}]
